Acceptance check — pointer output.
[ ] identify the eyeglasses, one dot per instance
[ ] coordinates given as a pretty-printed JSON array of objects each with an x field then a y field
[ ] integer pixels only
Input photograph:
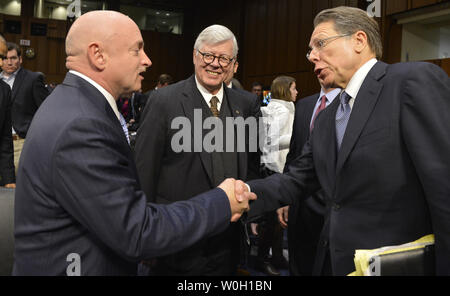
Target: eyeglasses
[
  {"x": 209, "y": 58},
  {"x": 320, "y": 44}
]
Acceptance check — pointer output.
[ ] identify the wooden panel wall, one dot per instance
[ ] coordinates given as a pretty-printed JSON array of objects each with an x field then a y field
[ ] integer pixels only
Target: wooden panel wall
[
  {"x": 163, "y": 49},
  {"x": 276, "y": 40},
  {"x": 165, "y": 52},
  {"x": 49, "y": 50},
  {"x": 397, "y": 6},
  {"x": 273, "y": 37}
]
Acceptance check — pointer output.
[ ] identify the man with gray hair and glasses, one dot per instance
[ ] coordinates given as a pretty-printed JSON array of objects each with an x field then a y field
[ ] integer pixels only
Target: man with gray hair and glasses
[
  {"x": 380, "y": 151},
  {"x": 168, "y": 175}
]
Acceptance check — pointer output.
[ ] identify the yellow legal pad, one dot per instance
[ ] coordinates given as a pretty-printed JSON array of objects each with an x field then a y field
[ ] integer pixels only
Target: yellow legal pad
[{"x": 416, "y": 257}]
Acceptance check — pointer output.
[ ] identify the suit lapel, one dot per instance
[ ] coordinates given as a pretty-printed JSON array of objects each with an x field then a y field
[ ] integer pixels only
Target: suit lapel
[
  {"x": 17, "y": 82},
  {"x": 328, "y": 139},
  {"x": 236, "y": 111},
  {"x": 192, "y": 100},
  {"x": 364, "y": 103},
  {"x": 94, "y": 95}
]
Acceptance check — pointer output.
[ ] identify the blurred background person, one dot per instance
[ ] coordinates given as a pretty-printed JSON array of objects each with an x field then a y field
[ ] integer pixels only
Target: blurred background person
[
  {"x": 163, "y": 81},
  {"x": 7, "y": 173},
  {"x": 28, "y": 91},
  {"x": 257, "y": 89},
  {"x": 279, "y": 117}
]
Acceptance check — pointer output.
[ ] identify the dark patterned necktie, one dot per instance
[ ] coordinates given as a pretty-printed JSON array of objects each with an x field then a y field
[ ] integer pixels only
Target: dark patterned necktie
[
  {"x": 323, "y": 103},
  {"x": 214, "y": 100}
]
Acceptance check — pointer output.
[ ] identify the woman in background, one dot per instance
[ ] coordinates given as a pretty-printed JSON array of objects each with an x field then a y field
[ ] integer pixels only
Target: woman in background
[{"x": 278, "y": 118}]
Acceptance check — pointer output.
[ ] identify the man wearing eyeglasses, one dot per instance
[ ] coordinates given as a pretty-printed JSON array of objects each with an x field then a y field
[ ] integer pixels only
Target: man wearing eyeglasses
[
  {"x": 167, "y": 175},
  {"x": 380, "y": 151},
  {"x": 28, "y": 93}
]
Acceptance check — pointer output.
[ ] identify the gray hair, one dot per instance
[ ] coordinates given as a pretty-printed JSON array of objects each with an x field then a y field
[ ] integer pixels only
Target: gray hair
[
  {"x": 215, "y": 34},
  {"x": 349, "y": 20}
]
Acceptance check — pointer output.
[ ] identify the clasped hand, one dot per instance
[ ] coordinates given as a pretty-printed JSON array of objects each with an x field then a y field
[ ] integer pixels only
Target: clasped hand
[{"x": 239, "y": 197}]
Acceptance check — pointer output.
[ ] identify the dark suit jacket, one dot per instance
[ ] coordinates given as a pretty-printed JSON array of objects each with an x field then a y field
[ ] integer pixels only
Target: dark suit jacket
[
  {"x": 28, "y": 93},
  {"x": 167, "y": 176},
  {"x": 77, "y": 192},
  {"x": 7, "y": 173},
  {"x": 388, "y": 184},
  {"x": 305, "y": 216}
]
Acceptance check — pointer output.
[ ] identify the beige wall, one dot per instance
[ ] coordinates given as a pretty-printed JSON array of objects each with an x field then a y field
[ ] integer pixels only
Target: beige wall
[{"x": 11, "y": 7}]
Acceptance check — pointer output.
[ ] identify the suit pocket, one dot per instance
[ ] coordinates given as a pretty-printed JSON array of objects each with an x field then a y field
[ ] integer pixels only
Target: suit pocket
[{"x": 372, "y": 136}]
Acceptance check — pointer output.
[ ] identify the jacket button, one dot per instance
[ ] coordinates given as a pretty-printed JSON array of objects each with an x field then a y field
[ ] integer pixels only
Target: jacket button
[
  {"x": 325, "y": 243},
  {"x": 336, "y": 207}
]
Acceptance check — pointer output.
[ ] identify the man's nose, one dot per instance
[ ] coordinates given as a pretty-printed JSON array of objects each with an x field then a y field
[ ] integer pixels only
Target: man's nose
[
  {"x": 147, "y": 62},
  {"x": 215, "y": 62}
]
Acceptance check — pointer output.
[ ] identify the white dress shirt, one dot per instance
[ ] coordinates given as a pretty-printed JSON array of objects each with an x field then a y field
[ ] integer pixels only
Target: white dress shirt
[
  {"x": 207, "y": 95},
  {"x": 9, "y": 79},
  {"x": 357, "y": 80},
  {"x": 278, "y": 118}
]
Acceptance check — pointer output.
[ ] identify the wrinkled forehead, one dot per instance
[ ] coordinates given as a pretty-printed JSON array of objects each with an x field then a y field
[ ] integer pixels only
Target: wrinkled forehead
[{"x": 220, "y": 48}]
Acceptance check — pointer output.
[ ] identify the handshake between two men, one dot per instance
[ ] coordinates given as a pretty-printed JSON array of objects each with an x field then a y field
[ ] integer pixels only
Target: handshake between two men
[{"x": 238, "y": 195}]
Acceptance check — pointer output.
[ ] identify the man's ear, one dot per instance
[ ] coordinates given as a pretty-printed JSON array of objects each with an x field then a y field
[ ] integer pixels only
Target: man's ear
[
  {"x": 194, "y": 53},
  {"x": 96, "y": 56},
  {"x": 360, "y": 41}
]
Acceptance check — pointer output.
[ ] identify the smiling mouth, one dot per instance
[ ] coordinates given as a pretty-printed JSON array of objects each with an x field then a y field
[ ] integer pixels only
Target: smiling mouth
[{"x": 212, "y": 73}]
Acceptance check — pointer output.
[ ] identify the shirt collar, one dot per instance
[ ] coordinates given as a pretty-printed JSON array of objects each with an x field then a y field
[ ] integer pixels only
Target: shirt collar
[
  {"x": 330, "y": 95},
  {"x": 357, "y": 80},
  {"x": 206, "y": 94},
  {"x": 105, "y": 93},
  {"x": 13, "y": 75}
]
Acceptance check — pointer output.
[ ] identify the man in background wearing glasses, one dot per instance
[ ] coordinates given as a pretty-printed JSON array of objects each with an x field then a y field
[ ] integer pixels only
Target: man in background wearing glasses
[
  {"x": 28, "y": 93},
  {"x": 168, "y": 176}
]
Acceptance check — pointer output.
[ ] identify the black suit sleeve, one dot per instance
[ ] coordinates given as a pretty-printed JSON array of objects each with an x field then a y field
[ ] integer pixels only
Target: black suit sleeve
[
  {"x": 94, "y": 182},
  {"x": 425, "y": 120},
  {"x": 292, "y": 154},
  {"x": 40, "y": 92},
  {"x": 151, "y": 142},
  {"x": 279, "y": 190},
  {"x": 6, "y": 142}
]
